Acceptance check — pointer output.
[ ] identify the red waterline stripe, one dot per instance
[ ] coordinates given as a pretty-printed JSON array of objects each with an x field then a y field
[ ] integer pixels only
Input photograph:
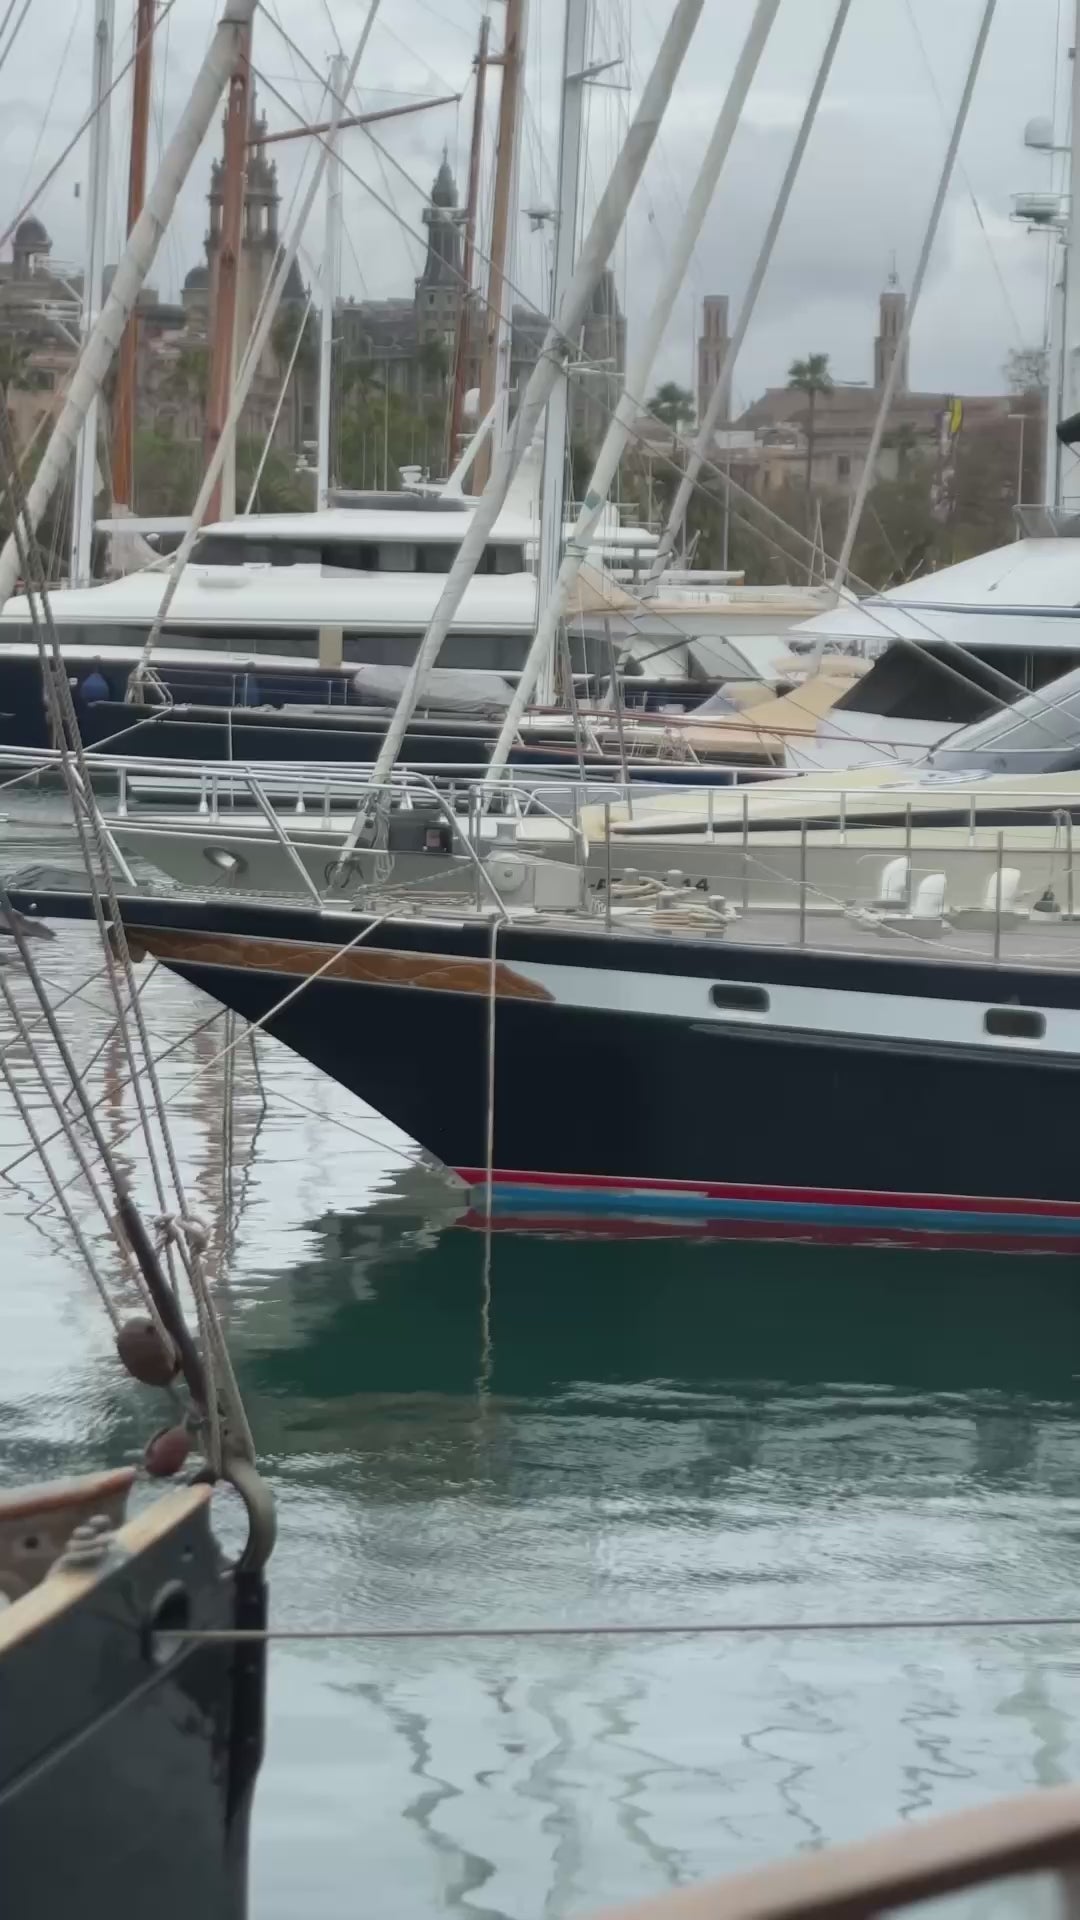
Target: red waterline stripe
[
  {"x": 811, "y": 1196},
  {"x": 616, "y": 1227}
]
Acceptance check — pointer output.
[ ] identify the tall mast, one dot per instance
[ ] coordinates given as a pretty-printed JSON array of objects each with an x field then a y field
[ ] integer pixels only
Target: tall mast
[
  {"x": 552, "y": 488},
  {"x": 123, "y": 420},
  {"x": 722, "y": 390},
  {"x": 499, "y": 297},
  {"x": 82, "y": 517},
  {"x": 135, "y": 263},
  {"x": 869, "y": 467},
  {"x": 472, "y": 206},
  {"x": 331, "y": 274},
  {"x": 1069, "y": 467},
  {"x": 592, "y": 258},
  {"x": 1055, "y": 381},
  {"x": 223, "y": 344},
  {"x": 621, "y": 426}
]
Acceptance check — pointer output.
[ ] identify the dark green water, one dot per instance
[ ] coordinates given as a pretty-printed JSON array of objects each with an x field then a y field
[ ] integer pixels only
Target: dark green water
[{"x": 599, "y": 1433}]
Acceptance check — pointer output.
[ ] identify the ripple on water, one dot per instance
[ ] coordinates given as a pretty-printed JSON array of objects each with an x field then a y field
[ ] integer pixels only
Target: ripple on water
[{"x": 675, "y": 1432}]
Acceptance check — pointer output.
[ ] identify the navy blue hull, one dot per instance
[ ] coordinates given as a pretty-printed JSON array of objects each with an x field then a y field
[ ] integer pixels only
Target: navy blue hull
[{"x": 601, "y": 1112}]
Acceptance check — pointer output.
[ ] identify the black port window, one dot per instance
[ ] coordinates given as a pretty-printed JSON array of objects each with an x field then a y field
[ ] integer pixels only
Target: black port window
[
  {"x": 734, "y": 997},
  {"x": 1015, "y": 1023}
]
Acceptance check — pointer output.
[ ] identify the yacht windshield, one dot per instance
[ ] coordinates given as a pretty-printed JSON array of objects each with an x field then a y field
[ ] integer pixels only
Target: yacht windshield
[{"x": 1040, "y": 733}]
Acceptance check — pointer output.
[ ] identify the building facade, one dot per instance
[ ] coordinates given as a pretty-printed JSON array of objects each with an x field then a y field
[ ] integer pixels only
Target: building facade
[
  {"x": 844, "y": 419},
  {"x": 407, "y": 341}
]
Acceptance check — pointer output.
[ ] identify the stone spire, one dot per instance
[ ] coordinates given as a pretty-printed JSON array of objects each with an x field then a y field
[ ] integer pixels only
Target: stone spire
[
  {"x": 893, "y": 312},
  {"x": 442, "y": 268}
]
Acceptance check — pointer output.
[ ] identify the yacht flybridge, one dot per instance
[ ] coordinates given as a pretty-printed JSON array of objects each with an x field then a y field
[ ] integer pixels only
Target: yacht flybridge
[
  {"x": 281, "y": 609},
  {"x": 947, "y": 650}
]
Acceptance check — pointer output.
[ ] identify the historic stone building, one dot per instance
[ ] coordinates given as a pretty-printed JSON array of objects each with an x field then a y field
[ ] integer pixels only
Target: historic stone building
[
  {"x": 409, "y": 340},
  {"x": 712, "y": 346},
  {"x": 767, "y": 443}
]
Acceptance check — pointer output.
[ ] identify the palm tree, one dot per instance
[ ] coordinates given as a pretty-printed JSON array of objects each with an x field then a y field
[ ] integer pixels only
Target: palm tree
[
  {"x": 812, "y": 377},
  {"x": 674, "y": 405}
]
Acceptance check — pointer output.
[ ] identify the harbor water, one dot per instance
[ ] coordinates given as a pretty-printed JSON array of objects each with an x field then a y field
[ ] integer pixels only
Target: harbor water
[{"x": 578, "y": 1433}]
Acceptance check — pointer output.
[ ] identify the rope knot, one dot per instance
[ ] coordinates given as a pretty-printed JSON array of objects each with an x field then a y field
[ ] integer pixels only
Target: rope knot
[{"x": 185, "y": 1227}]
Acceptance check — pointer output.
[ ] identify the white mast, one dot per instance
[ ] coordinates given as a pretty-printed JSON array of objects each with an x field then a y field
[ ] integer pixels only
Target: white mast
[
  {"x": 259, "y": 336},
  {"x": 505, "y": 321},
  {"x": 1055, "y": 408},
  {"x": 85, "y": 487},
  {"x": 866, "y": 477},
  {"x": 552, "y": 488},
  {"x": 707, "y": 426},
  {"x": 1069, "y": 468},
  {"x": 135, "y": 264},
  {"x": 330, "y": 276},
  {"x": 603, "y": 232},
  {"x": 622, "y": 425}
]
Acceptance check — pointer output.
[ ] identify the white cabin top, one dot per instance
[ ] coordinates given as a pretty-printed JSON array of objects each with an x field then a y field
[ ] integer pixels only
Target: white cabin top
[
  {"x": 1007, "y": 597},
  {"x": 377, "y": 566},
  {"x": 271, "y": 597}
]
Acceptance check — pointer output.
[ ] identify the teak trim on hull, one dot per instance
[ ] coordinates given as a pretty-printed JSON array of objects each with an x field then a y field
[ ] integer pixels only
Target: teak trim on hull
[{"x": 301, "y": 960}]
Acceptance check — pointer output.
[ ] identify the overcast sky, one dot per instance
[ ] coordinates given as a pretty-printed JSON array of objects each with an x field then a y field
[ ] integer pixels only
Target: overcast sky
[{"x": 863, "y": 194}]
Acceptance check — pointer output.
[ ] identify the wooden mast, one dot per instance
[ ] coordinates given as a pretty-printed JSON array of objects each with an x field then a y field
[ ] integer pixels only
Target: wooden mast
[
  {"x": 463, "y": 340},
  {"x": 512, "y": 62},
  {"x": 234, "y": 177},
  {"x": 123, "y": 424}
]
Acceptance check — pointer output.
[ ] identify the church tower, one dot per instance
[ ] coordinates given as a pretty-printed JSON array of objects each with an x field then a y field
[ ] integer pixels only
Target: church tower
[
  {"x": 259, "y": 240},
  {"x": 712, "y": 349},
  {"x": 439, "y": 290},
  {"x": 893, "y": 313}
]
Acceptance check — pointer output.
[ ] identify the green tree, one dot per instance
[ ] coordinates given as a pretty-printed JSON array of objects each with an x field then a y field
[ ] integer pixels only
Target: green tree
[
  {"x": 433, "y": 360},
  {"x": 167, "y": 472},
  {"x": 812, "y": 378},
  {"x": 187, "y": 381},
  {"x": 381, "y": 429},
  {"x": 296, "y": 329},
  {"x": 1025, "y": 369},
  {"x": 281, "y": 489},
  {"x": 674, "y": 406}
]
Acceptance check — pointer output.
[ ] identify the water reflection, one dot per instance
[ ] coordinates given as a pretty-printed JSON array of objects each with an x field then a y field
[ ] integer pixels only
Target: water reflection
[
  {"x": 681, "y": 1433},
  {"x": 590, "y": 1432}
]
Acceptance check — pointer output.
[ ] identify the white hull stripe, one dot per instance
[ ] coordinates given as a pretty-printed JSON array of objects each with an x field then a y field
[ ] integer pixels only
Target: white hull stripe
[{"x": 823, "y": 1010}]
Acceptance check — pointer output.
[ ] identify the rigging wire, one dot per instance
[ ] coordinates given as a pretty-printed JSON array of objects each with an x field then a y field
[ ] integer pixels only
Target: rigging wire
[
  {"x": 59, "y": 1194},
  {"x": 359, "y": 100},
  {"x": 279, "y": 403},
  {"x": 76, "y": 17},
  {"x": 638, "y": 1630},
  {"x": 966, "y": 178},
  {"x": 52, "y": 172},
  {"x": 179, "y": 1228},
  {"x": 68, "y": 1131},
  {"x": 14, "y": 34},
  {"x": 635, "y": 432},
  {"x": 298, "y": 53}
]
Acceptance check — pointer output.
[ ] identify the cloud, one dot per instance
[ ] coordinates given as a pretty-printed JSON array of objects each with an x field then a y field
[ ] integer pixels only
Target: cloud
[{"x": 865, "y": 190}]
